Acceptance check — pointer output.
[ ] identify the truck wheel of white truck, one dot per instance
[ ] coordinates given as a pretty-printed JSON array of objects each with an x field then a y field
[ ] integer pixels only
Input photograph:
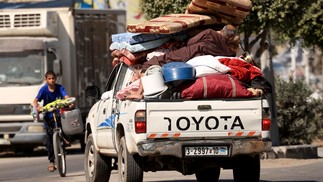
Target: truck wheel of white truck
[
  {"x": 97, "y": 167},
  {"x": 129, "y": 166},
  {"x": 211, "y": 174},
  {"x": 247, "y": 169}
]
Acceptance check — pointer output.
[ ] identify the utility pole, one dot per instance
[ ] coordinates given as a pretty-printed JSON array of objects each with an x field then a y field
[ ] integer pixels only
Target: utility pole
[
  {"x": 269, "y": 75},
  {"x": 293, "y": 63},
  {"x": 306, "y": 64}
]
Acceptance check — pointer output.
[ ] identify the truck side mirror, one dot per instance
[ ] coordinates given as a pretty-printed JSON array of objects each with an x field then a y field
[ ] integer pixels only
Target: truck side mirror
[
  {"x": 106, "y": 95},
  {"x": 57, "y": 67},
  {"x": 92, "y": 92}
]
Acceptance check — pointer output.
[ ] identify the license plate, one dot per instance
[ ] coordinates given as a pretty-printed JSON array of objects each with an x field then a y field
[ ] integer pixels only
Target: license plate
[
  {"x": 4, "y": 142},
  {"x": 206, "y": 151}
]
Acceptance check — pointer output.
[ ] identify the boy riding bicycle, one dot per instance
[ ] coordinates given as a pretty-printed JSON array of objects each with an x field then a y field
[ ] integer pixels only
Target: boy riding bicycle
[{"x": 50, "y": 92}]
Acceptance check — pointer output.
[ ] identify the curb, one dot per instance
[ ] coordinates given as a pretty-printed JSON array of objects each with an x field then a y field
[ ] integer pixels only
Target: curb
[{"x": 293, "y": 151}]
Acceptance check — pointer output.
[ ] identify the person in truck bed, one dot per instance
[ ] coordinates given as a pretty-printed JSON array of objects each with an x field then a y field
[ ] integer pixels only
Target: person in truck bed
[{"x": 207, "y": 42}]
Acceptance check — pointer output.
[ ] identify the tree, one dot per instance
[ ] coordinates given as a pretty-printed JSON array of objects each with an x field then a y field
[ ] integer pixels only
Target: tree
[
  {"x": 156, "y": 8},
  {"x": 298, "y": 118},
  {"x": 290, "y": 20}
]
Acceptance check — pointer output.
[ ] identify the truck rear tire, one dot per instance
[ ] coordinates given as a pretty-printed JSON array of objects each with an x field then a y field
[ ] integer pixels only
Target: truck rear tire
[
  {"x": 211, "y": 174},
  {"x": 129, "y": 166},
  {"x": 97, "y": 167},
  {"x": 247, "y": 168}
]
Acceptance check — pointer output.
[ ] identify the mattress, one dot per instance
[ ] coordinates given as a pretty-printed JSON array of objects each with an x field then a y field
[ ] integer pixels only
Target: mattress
[
  {"x": 233, "y": 10},
  {"x": 135, "y": 38},
  {"x": 173, "y": 23}
]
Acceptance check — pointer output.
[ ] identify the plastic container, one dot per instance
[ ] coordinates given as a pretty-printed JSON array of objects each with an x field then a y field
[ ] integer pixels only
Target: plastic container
[
  {"x": 177, "y": 71},
  {"x": 72, "y": 122}
]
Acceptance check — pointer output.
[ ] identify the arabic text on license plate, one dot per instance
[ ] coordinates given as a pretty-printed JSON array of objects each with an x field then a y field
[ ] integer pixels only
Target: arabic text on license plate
[{"x": 206, "y": 151}]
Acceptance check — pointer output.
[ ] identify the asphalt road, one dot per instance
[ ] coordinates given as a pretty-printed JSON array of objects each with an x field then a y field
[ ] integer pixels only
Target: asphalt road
[{"x": 33, "y": 168}]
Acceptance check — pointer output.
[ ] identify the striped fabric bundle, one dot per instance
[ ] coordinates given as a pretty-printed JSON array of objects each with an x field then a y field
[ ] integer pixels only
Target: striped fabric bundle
[{"x": 233, "y": 10}]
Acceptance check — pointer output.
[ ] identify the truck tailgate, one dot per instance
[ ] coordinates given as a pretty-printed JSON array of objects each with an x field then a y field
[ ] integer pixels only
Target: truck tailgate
[{"x": 206, "y": 118}]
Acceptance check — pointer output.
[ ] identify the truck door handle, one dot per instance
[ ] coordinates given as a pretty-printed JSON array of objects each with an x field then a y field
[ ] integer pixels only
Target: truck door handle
[
  {"x": 104, "y": 111},
  {"x": 204, "y": 107}
]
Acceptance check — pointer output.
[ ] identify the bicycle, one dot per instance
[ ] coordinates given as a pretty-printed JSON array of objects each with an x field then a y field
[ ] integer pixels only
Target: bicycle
[{"x": 58, "y": 138}]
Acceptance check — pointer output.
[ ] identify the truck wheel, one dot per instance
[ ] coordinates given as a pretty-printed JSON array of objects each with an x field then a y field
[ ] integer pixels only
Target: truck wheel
[
  {"x": 129, "y": 166},
  {"x": 247, "y": 168},
  {"x": 97, "y": 167},
  {"x": 211, "y": 174}
]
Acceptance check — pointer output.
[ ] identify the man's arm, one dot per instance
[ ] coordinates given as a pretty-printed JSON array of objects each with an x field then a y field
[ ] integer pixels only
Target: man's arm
[
  {"x": 71, "y": 106},
  {"x": 35, "y": 106}
]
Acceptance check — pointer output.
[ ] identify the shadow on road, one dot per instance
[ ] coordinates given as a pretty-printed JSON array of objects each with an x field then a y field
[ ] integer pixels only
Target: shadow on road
[
  {"x": 290, "y": 181},
  {"x": 228, "y": 180},
  {"x": 233, "y": 181},
  {"x": 41, "y": 151}
]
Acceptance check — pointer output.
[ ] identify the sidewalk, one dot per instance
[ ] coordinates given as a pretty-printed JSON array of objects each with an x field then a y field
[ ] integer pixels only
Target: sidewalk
[{"x": 296, "y": 152}]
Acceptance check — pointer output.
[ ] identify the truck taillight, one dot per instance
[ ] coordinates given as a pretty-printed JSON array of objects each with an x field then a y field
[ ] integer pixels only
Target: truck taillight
[
  {"x": 140, "y": 121},
  {"x": 266, "y": 124}
]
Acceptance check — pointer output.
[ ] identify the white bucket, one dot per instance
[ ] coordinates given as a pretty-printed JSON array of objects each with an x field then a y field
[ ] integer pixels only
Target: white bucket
[{"x": 153, "y": 84}]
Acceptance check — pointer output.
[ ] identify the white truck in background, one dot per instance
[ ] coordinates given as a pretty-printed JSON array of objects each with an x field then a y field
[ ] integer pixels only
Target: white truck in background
[
  {"x": 189, "y": 136},
  {"x": 72, "y": 42}
]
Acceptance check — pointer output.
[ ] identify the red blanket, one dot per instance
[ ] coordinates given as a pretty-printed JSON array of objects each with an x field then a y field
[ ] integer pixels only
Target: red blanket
[{"x": 240, "y": 69}]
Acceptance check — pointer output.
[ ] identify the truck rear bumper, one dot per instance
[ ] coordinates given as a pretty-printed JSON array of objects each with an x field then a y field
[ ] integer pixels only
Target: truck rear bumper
[
  {"x": 175, "y": 148},
  {"x": 22, "y": 133}
]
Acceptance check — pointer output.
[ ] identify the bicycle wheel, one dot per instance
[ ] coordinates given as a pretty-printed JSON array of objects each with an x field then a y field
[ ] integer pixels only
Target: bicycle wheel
[{"x": 59, "y": 153}]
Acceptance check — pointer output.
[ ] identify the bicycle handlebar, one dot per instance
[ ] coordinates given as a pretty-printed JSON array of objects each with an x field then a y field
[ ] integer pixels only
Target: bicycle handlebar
[
  {"x": 50, "y": 107},
  {"x": 57, "y": 104}
]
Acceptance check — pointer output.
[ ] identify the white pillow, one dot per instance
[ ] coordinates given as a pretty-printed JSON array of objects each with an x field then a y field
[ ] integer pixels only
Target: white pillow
[{"x": 207, "y": 65}]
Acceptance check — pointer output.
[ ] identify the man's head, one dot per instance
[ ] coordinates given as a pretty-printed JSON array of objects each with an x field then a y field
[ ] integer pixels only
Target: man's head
[
  {"x": 229, "y": 32},
  {"x": 50, "y": 78}
]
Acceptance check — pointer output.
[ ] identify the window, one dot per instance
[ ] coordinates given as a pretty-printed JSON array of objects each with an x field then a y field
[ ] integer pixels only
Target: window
[{"x": 116, "y": 78}]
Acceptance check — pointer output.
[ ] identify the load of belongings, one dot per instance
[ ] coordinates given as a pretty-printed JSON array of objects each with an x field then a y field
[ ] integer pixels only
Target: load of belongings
[{"x": 189, "y": 56}]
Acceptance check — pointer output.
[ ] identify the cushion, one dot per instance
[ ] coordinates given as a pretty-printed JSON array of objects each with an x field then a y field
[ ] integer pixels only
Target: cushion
[
  {"x": 207, "y": 65},
  {"x": 173, "y": 23},
  {"x": 233, "y": 10}
]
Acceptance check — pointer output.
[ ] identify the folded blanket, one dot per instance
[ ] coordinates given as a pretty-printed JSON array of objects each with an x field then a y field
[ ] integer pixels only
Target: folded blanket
[
  {"x": 123, "y": 93},
  {"x": 127, "y": 57},
  {"x": 144, "y": 46}
]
